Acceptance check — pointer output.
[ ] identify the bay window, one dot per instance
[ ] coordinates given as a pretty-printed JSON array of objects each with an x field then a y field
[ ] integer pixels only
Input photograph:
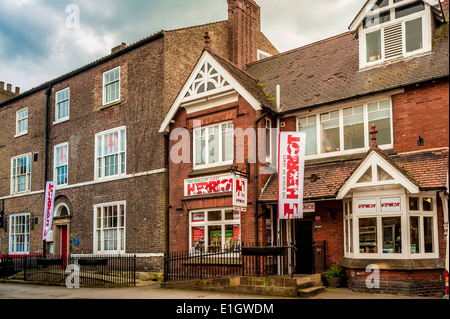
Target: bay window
[
  {"x": 214, "y": 230},
  {"x": 213, "y": 145},
  {"x": 385, "y": 227},
  {"x": 347, "y": 130}
]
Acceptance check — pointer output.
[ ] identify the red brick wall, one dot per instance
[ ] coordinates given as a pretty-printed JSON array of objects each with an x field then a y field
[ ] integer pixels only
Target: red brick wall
[
  {"x": 421, "y": 111},
  {"x": 243, "y": 116}
]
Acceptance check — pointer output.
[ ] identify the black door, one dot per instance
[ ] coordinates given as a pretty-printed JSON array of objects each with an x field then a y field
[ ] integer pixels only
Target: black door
[{"x": 304, "y": 240}]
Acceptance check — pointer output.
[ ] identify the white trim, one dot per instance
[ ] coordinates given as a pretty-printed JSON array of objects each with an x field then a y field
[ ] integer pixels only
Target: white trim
[
  {"x": 372, "y": 162},
  {"x": 118, "y": 238},
  {"x": 104, "y": 86},
  {"x": 55, "y": 175},
  {"x": 18, "y": 134},
  {"x": 62, "y": 204},
  {"x": 207, "y": 57},
  {"x": 66, "y": 118},
  {"x": 28, "y": 175},
  {"x": 10, "y": 234},
  {"x": 96, "y": 156},
  {"x": 366, "y": 11},
  {"x": 426, "y": 35}
]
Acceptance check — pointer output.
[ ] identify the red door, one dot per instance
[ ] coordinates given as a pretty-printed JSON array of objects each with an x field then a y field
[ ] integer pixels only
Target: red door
[{"x": 64, "y": 245}]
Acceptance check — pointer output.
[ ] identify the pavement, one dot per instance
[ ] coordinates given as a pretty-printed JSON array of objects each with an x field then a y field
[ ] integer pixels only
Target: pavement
[{"x": 153, "y": 291}]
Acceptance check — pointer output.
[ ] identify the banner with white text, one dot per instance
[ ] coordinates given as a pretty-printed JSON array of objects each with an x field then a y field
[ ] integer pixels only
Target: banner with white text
[
  {"x": 49, "y": 202},
  {"x": 291, "y": 169}
]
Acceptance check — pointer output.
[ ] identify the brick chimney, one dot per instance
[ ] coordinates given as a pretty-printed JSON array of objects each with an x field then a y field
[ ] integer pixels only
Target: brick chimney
[
  {"x": 118, "y": 48},
  {"x": 244, "y": 17}
]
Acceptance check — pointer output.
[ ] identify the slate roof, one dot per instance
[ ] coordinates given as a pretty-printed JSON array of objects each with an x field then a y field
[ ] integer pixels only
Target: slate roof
[
  {"x": 427, "y": 169},
  {"x": 328, "y": 71}
]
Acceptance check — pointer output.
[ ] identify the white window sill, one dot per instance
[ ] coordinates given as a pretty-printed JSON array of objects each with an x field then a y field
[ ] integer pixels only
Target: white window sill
[
  {"x": 21, "y": 134},
  {"x": 61, "y": 120}
]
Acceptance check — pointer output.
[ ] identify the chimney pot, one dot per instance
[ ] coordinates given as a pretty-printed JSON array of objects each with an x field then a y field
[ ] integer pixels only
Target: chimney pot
[
  {"x": 2, "y": 85},
  {"x": 17, "y": 90},
  {"x": 9, "y": 87},
  {"x": 374, "y": 132}
]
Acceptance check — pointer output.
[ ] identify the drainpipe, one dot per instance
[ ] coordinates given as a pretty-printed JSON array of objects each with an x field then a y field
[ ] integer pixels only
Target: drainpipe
[
  {"x": 255, "y": 172},
  {"x": 48, "y": 93}
]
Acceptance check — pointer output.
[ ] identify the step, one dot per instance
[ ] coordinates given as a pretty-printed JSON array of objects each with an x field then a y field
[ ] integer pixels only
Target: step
[
  {"x": 303, "y": 284},
  {"x": 310, "y": 291}
]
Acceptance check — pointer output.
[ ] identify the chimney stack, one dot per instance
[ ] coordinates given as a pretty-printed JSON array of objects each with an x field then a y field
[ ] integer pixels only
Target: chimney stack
[
  {"x": 244, "y": 18},
  {"x": 118, "y": 48}
]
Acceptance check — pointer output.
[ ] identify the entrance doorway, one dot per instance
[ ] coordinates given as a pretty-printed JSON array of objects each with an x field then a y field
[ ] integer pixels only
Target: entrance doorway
[{"x": 304, "y": 244}]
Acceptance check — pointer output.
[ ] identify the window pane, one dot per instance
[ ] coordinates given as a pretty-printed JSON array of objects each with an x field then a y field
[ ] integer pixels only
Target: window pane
[
  {"x": 373, "y": 46},
  {"x": 414, "y": 35},
  {"x": 213, "y": 144},
  {"x": 368, "y": 235},
  {"x": 227, "y": 143},
  {"x": 309, "y": 126},
  {"x": 353, "y": 129},
  {"x": 380, "y": 115},
  {"x": 215, "y": 238},
  {"x": 198, "y": 238},
  {"x": 414, "y": 234},
  {"x": 200, "y": 144},
  {"x": 413, "y": 203},
  {"x": 392, "y": 235},
  {"x": 428, "y": 234},
  {"x": 330, "y": 133},
  {"x": 377, "y": 19},
  {"x": 427, "y": 204},
  {"x": 215, "y": 215},
  {"x": 409, "y": 9}
]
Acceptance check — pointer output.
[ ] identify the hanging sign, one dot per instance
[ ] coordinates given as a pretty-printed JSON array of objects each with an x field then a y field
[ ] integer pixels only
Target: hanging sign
[
  {"x": 291, "y": 168},
  {"x": 49, "y": 202},
  {"x": 208, "y": 185},
  {"x": 240, "y": 188}
]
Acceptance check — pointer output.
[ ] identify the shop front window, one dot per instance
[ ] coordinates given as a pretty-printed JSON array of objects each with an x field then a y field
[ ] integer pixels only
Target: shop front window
[
  {"x": 215, "y": 230},
  {"x": 383, "y": 227}
]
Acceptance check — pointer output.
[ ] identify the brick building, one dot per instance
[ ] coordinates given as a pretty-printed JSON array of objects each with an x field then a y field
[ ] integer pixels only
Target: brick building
[
  {"x": 94, "y": 131},
  {"x": 374, "y": 104}
]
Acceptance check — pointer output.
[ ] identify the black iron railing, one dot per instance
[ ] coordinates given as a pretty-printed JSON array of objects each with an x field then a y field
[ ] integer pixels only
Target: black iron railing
[
  {"x": 85, "y": 271},
  {"x": 245, "y": 259}
]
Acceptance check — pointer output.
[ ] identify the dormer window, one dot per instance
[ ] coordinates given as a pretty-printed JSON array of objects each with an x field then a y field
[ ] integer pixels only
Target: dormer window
[{"x": 394, "y": 29}]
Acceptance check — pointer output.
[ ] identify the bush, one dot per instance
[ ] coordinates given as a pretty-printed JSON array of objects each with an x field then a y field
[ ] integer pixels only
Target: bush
[{"x": 334, "y": 272}]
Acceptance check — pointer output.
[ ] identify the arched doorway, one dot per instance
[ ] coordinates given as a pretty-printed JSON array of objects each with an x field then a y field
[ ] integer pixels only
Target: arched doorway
[{"x": 61, "y": 230}]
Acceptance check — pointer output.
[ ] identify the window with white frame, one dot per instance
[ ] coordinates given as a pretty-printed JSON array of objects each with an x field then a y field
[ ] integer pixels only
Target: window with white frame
[
  {"x": 22, "y": 122},
  {"x": 391, "y": 226},
  {"x": 110, "y": 153},
  {"x": 214, "y": 145},
  {"x": 21, "y": 174},
  {"x": 109, "y": 228},
  {"x": 61, "y": 164},
  {"x": 19, "y": 233},
  {"x": 214, "y": 230},
  {"x": 62, "y": 104},
  {"x": 111, "y": 86},
  {"x": 347, "y": 130},
  {"x": 395, "y": 29}
]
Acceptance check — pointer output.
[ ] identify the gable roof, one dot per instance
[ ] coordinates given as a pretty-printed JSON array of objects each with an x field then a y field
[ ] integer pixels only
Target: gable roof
[
  {"x": 435, "y": 4},
  {"x": 328, "y": 71},
  {"x": 239, "y": 80},
  {"x": 428, "y": 170}
]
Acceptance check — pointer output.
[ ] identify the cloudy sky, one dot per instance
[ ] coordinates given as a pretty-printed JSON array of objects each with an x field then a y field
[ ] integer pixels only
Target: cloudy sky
[{"x": 43, "y": 39}]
